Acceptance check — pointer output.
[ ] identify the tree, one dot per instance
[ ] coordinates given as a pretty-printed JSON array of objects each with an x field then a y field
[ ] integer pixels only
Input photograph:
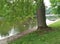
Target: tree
[
  {"x": 19, "y": 9},
  {"x": 41, "y": 18},
  {"x": 16, "y": 13},
  {"x": 55, "y": 5}
]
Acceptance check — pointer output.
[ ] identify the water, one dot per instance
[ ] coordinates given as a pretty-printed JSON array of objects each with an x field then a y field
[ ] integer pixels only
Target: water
[
  {"x": 13, "y": 30},
  {"x": 49, "y": 21},
  {"x": 10, "y": 33}
]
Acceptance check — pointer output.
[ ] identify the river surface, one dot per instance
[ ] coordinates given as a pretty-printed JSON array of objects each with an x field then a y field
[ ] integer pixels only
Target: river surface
[
  {"x": 10, "y": 33},
  {"x": 13, "y": 31}
]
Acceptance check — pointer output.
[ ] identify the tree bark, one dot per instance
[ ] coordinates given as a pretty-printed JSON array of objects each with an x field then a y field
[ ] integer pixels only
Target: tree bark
[{"x": 41, "y": 18}]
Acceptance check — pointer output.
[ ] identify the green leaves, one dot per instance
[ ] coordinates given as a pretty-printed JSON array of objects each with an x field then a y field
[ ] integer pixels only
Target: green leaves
[
  {"x": 56, "y": 6},
  {"x": 16, "y": 12}
]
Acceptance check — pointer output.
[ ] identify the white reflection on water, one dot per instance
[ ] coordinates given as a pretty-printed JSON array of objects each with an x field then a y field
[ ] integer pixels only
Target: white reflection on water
[
  {"x": 13, "y": 31},
  {"x": 49, "y": 21},
  {"x": 10, "y": 33}
]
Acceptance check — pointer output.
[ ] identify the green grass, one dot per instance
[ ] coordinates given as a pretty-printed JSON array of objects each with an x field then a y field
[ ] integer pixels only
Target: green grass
[{"x": 47, "y": 38}]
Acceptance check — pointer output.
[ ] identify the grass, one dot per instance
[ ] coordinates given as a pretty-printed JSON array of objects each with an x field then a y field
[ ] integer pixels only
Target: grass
[{"x": 47, "y": 38}]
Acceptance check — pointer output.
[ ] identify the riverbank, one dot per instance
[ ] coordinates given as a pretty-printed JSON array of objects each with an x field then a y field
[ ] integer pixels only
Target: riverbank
[
  {"x": 47, "y": 38},
  {"x": 23, "y": 33}
]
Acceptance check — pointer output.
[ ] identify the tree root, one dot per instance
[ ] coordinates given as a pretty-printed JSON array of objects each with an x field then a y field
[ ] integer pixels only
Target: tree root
[{"x": 42, "y": 30}]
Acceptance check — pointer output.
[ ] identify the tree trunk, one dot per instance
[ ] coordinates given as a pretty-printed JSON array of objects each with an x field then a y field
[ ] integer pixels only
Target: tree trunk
[{"x": 41, "y": 18}]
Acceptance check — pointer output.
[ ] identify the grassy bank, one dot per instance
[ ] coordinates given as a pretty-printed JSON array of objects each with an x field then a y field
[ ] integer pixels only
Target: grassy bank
[{"x": 47, "y": 38}]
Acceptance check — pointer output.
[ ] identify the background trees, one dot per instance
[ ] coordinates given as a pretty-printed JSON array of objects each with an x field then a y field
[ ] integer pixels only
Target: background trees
[
  {"x": 16, "y": 13},
  {"x": 55, "y": 6}
]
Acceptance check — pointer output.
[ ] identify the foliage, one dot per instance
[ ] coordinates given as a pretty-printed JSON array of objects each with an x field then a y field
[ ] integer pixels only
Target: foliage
[
  {"x": 16, "y": 13},
  {"x": 55, "y": 6},
  {"x": 17, "y": 10}
]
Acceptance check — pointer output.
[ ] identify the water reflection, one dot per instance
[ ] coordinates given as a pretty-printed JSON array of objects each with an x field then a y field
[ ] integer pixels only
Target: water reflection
[
  {"x": 10, "y": 33},
  {"x": 14, "y": 31}
]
